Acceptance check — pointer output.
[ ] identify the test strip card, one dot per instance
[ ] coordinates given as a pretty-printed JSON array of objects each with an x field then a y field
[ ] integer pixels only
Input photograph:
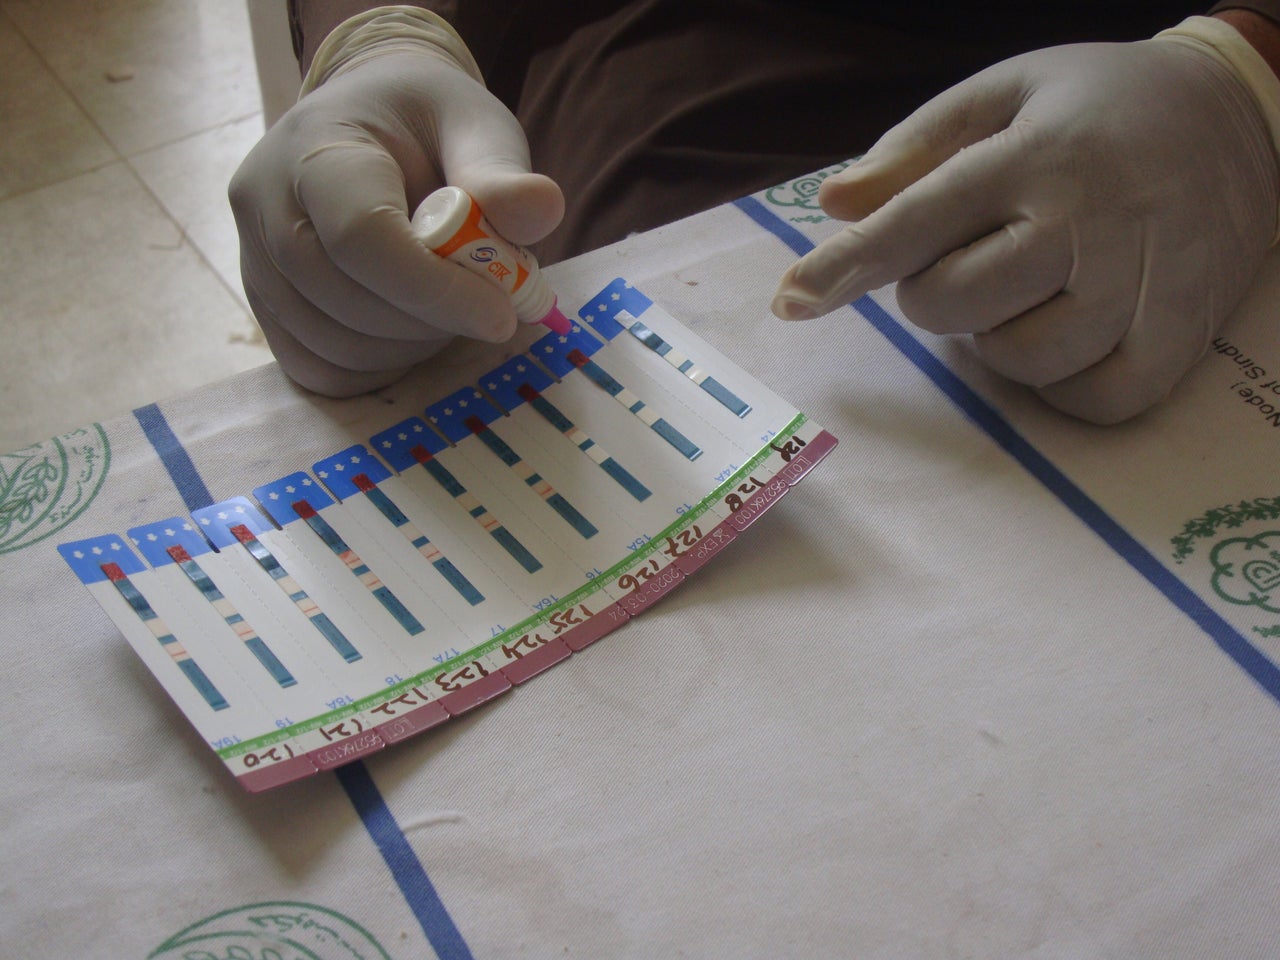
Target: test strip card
[{"x": 395, "y": 584}]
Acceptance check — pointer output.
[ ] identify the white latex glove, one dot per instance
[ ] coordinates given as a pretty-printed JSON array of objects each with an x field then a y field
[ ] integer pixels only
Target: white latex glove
[
  {"x": 1091, "y": 213},
  {"x": 392, "y": 108}
]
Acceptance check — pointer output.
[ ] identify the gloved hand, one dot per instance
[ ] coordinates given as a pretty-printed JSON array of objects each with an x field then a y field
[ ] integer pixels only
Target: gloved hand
[
  {"x": 392, "y": 108},
  {"x": 1090, "y": 213}
]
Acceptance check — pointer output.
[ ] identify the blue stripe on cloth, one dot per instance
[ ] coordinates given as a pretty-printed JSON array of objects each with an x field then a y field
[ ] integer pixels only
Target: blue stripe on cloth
[
  {"x": 1228, "y": 639},
  {"x": 414, "y": 883},
  {"x": 174, "y": 456},
  {"x": 410, "y": 876}
]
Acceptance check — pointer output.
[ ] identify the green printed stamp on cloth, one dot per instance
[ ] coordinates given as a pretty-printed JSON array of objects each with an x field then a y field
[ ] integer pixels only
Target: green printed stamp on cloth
[
  {"x": 45, "y": 486},
  {"x": 802, "y": 193},
  {"x": 275, "y": 930},
  {"x": 1243, "y": 559}
]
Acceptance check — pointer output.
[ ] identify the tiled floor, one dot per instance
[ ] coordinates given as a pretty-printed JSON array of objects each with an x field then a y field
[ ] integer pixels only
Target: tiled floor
[{"x": 121, "y": 122}]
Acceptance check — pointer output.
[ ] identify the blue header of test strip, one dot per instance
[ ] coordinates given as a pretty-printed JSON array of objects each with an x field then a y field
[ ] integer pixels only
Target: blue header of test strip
[
  {"x": 452, "y": 413},
  {"x": 217, "y": 520},
  {"x": 553, "y": 350},
  {"x": 339, "y": 471},
  {"x": 86, "y": 557},
  {"x": 504, "y": 382},
  {"x": 279, "y": 496},
  {"x": 599, "y": 313},
  {"x": 396, "y": 444},
  {"x": 153, "y": 540}
]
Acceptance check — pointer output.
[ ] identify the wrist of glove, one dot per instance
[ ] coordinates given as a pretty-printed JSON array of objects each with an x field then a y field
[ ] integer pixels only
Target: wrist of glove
[
  {"x": 1237, "y": 56},
  {"x": 385, "y": 30},
  {"x": 1089, "y": 213}
]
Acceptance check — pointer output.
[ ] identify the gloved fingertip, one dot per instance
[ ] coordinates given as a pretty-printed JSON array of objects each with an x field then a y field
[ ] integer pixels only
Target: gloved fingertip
[
  {"x": 524, "y": 207},
  {"x": 855, "y": 193},
  {"x": 498, "y": 332},
  {"x": 800, "y": 295},
  {"x": 787, "y": 308}
]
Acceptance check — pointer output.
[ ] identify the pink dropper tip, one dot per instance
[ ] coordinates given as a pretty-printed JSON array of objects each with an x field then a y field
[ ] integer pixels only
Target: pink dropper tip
[{"x": 557, "y": 321}]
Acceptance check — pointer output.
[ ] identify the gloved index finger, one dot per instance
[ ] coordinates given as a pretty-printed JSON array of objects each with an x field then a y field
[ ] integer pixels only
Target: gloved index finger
[
  {"x": 967, "y": 197},
  {"x": 353, "y": 193},
  {"x": 959, "y": 117}
]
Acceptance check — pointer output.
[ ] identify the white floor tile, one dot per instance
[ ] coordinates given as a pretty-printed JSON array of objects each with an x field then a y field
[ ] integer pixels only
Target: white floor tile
[
  {"x": 191, "y": 63},
  {"x": 190, "y": 179},
  {"x": 47, "y": 137},
  {"x": 106, "y": 307}
]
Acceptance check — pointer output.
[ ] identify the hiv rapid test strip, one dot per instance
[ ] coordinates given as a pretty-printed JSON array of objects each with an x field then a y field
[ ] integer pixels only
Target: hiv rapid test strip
[
  {"x": 391, "y": 585},
  {"x": 642, "y": 513},
  {"x": 516, "y": 537},
  {"x": 596, "y": 549},
  {"x": 203, "y": 664},
  {"x": 556, "y": 602},
  {"x": 320, "y": 607},
  {"x": 542, "y": 514}
]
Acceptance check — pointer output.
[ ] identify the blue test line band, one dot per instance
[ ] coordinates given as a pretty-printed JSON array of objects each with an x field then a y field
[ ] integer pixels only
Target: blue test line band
[
  {"x": 233, "y": 618},
  {"x": 419, "y": 540},
  {"x": 142, "y": 607},
  {"x": 534, "y": 480},
  {"x": 310, "y": 609}
]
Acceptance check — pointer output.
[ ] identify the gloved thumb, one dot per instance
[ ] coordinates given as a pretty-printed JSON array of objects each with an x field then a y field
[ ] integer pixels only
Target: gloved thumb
[
  {"x": 524, "y": 207},
  {"x": 484, "y": 151}
]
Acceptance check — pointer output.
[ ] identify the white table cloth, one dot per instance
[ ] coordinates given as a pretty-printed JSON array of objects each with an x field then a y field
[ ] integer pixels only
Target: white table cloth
[{"x": 990, "y": 682}]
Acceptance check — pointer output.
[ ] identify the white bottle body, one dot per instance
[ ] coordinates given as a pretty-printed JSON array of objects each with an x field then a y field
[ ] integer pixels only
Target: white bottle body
[{"x": 450, "y": 223}]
